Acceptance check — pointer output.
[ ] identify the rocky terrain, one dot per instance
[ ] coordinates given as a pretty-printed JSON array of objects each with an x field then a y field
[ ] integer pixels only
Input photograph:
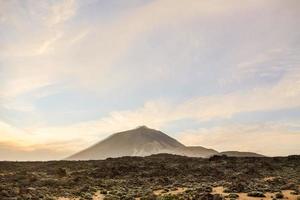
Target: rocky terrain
[{"x": 161, "y": 176}]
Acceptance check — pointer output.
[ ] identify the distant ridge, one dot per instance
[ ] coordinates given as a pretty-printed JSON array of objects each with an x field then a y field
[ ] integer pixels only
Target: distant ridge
[
  {"x": 144, "y": 141},
  {"x": 240, "y": 154}
]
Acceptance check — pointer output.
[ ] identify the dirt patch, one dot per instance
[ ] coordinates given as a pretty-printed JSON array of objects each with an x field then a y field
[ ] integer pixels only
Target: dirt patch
[
  {"x": 174, "y": 191},
  {"x": 97, "y": 196},
  {"x": 269, "y": 196}
]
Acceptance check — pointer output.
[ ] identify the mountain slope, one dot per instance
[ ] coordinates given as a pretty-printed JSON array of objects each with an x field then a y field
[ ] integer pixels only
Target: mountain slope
[{"x": 198, "y": 151}]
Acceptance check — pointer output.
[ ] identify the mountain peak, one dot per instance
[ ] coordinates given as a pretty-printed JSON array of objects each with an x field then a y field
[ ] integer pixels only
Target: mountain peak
[{"x": 142, "y": 127}]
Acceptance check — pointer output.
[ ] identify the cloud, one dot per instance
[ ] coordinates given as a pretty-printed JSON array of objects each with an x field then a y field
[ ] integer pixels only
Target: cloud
[
  {"x": 51, "y": 41},
  {"x": 19, "y": 106},
  {"x": 41, "y": 25},
  {"x": 50, "y": 54},
  {"x": 46, "y": 45},
  {"x": 61, "y": 12},
  {"x": 285, "y": 94},
  {"x": 271, "y": 139},
  {"x": 10, "y": 133},
  {"x": 23, "y": 85},
  {"x": 270, "y": 63},
  {"x": 22, "y": 144},
  {"x": 12, "y": 152},
  {"x": 28, "y": 63},
  {"x": 33, "y": 31},
  {"x": 107, "y": 48}
]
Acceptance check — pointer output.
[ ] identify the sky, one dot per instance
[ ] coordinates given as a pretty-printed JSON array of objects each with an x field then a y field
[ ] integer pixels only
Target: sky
[{"x": 219, "y": 74}]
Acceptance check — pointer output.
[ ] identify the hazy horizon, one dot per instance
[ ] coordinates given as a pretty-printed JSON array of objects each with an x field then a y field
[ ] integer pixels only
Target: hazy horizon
[{"x": 218, "y": 74}]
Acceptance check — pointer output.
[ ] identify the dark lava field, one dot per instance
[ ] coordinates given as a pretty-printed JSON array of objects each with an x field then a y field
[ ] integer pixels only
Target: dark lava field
[{"x": 161, "y": 176}]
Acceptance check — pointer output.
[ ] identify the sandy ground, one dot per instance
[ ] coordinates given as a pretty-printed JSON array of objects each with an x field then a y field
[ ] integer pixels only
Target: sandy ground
[
  {"x": 177, "y": 191},
  {"x": 97, "y": 196},
  {"x": 243, "y": 196}
]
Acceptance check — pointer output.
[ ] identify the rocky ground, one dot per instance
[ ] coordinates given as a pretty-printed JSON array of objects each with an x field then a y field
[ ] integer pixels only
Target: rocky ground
[{"x": 162, "y": 176}]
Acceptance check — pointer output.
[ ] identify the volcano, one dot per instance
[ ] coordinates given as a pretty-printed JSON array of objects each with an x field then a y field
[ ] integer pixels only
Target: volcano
[{"x": 143, "y": 141}]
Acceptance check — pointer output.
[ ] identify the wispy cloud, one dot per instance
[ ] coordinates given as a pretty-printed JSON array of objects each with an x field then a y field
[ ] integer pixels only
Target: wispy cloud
[
  {"x": 273, "y": 62},
  {"x": 61, "y": 12}
]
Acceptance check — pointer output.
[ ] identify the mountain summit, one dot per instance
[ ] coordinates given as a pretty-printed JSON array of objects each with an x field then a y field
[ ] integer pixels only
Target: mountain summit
[{"x": 142, "y": 141}]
